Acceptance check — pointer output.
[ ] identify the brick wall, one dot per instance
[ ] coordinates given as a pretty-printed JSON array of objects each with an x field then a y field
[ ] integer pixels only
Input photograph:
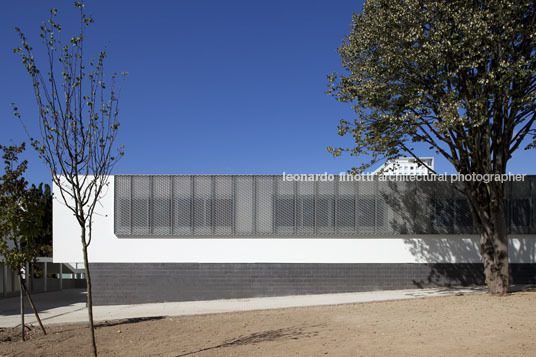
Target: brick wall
[{"x": 130, "y": 283}]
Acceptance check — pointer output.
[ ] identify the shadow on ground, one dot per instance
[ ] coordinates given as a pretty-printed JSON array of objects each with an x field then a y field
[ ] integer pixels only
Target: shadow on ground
[
  {"x": 43, "y": 301},
  {"x": 293, "y": 333},
  {"x": 133, "y": 320}
]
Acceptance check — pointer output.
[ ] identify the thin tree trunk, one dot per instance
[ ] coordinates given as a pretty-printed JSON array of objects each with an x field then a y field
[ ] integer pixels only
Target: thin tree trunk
[
  {"x": 21, "y": 307},
  {"x": 33, "y": 307},
  {"x": 89, "y": 295}
]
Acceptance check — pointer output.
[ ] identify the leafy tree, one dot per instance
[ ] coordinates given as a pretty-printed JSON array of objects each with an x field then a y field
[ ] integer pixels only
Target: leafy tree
[
  {"x": 78, "y": 114},
  {"x": 21, "y": 221},
  {"x": 458, "y": 76},
  {"x": 42, "y": 196}
]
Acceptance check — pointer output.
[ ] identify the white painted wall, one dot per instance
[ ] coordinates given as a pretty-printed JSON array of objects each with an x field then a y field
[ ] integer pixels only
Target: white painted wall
[{"x": 108, "y": 248}]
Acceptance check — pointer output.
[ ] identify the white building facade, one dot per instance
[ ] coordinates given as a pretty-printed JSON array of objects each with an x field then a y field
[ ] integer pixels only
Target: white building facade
[{"x": 198, "y": 237}]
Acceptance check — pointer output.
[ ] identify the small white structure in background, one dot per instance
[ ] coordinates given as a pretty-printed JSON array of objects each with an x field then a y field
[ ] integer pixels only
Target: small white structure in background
[{"x": 406, "y": 166}]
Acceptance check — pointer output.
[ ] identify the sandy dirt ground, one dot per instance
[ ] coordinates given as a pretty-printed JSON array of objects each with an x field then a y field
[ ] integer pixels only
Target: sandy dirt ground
[{"x": 470, "y": 325}]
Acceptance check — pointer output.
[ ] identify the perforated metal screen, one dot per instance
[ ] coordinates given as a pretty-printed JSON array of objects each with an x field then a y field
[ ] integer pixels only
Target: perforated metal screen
[{"x": 225, "y": 205}]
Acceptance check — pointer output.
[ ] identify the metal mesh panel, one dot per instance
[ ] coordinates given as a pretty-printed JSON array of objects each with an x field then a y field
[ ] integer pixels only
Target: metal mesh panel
[
  {"x": 264, "y": 196},
  {"x": 122, "y": 213},
  {"x": 366, "y": 208},
  {"x": 202, "y": 208},
  {"x": 244, "y": 205},
  {"x": 268, "y": 205},
  {"x": 346, "y": 207},
  {"x": 325, "y": 207},
  {"x": 399, "y": 199},
  {"x": 463, "y": 219},
  {"x": 161, "y": 207},
  {"x": 442, "y": 218},
  {"x": 284, "y": 207},
  {"x": 519, "y": 206},
  {"x": 141, "y": 194},
  {"x": 424, "y": 205},
  {"x": 305, "y": 208},
  {"x": 407, "y": 217},
  {"x": 532, "y": 229},
  {"x": 385, "y": 194},
  {"x": 182, "y": 204},
  {"x": 223, "y": 205}
]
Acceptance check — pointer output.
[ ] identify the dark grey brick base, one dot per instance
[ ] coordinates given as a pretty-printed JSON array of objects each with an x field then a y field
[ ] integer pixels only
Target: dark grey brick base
[{"x": 131, "y": 283}]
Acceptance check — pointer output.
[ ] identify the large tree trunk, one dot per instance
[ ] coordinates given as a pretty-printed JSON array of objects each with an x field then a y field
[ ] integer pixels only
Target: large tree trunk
[
  {"x": 489, "y": 215},
  {"x": 89, "y": 296},
  {"x": 494, "y": 251}
]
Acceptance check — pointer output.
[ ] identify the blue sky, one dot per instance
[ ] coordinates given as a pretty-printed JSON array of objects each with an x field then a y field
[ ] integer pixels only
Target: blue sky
[{"x": 214, "y": 87}]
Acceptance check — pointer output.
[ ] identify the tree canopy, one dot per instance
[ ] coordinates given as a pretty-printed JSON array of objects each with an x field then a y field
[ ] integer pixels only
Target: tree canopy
[
  {"x": 21, "y": 215},
  {"x": 25, "y": 221},
  {"x": 459, "y": 76}
]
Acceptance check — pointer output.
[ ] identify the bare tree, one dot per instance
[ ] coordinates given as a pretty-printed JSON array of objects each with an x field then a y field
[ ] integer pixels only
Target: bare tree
[{"x": 78, "y": 115}]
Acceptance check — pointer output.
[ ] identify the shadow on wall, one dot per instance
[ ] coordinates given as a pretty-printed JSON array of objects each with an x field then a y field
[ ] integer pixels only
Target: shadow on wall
[{"x": 433, "y": 208}]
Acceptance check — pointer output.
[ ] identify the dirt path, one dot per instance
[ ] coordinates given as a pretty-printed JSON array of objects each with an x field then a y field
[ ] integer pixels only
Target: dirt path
[{"x": 472, "y": 325}]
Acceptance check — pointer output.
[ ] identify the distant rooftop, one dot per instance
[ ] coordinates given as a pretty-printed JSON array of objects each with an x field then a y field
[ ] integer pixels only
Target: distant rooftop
[{"x": 406, "y": 166}]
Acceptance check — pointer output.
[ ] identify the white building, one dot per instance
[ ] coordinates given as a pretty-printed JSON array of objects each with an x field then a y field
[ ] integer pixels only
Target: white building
[
  {"x": 200, "y": 237},
  {"x": 407, "y": 166}
]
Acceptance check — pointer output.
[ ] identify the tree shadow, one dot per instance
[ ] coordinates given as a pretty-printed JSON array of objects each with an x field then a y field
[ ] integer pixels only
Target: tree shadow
[
  {"x": 443, "y": 233},
  {"x": 291, "y": 333},
  {"x": 133, "y": 320}
]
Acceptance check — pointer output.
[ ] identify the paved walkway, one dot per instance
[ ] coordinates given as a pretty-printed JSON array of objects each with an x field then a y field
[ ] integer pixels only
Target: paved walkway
[{"x": 68, "y": 306}]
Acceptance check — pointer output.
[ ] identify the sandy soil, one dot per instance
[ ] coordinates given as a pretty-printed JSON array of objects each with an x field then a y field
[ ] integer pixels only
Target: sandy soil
[{"x": 471, "y": 325}]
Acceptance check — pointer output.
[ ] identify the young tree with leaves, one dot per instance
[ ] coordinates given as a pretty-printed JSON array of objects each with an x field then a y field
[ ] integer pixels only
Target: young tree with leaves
[
  {"x": 78, "y": 115},
  {"x": 42, "y": 196},
  {"x": 458, "y": 76},
  {"x": 21, "y": 222}
]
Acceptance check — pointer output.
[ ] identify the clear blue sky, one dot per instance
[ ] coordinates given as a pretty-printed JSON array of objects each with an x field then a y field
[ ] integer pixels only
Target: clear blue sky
[{"x": 222, "y": 87}]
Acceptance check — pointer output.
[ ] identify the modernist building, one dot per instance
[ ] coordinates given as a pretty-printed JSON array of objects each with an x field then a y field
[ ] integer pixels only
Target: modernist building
[{"x": 200, "y": 237}]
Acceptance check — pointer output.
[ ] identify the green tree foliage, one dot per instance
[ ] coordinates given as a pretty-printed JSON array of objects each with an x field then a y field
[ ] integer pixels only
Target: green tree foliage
[
  {"x": 458, "y": 76},
  {"x": 23, "y": 225},
  {"x": 42, "y": 196},
  {"x": 21, "y": 216}
]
